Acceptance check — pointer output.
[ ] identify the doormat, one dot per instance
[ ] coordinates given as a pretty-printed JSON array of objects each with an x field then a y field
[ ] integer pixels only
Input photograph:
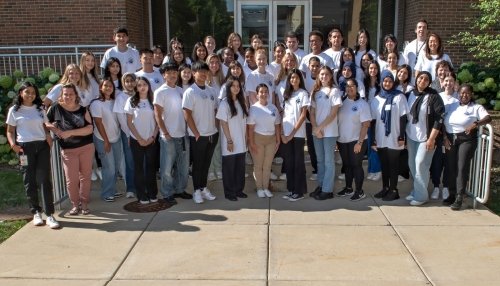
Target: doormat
[{"x": 137, "y": 207}]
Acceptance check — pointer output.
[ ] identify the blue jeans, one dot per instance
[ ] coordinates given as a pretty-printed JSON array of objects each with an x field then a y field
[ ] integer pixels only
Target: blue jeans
[
  {"x": 325, "y": 148},
  {"x": 174, "y": 153},
  {"x": 111, "y": 163},
  {"x": 419, "y": 161},
  {"x": 374, "y": 165},
  {"x": 129, "y": 163}
]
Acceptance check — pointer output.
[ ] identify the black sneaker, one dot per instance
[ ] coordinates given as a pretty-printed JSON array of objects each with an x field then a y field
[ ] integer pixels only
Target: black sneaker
[
  {"x": 118, "y": 195},
  {"x": 358, "y": 196},
  {"x": 296, "y": 197},
  {"x": 391, "y": 196},
  {"x": 448, "y": 201},
  {"x": 381, "y": 194},
  {"x": 323, "y": 196},
  {"x": 315, "y": 192},
  {"x": 241, "y": 195},
  {"x": 457, "y": 204},
  {"x": 184, "y": 196},
  {"x": 170, "y": 200},
  {"x": 231, "y": 198},
  {"x": 345, "y": 192}
]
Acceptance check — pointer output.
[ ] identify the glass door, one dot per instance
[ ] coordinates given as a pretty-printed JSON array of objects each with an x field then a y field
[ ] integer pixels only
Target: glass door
[
  {"x": 254, "y": 17},
  {"x": 292, "y": 16}
]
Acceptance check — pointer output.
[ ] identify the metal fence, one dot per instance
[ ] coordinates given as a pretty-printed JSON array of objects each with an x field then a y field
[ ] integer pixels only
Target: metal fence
[
  {"x": 32, "y": 59},
  {"x": 479, "y": 176}
]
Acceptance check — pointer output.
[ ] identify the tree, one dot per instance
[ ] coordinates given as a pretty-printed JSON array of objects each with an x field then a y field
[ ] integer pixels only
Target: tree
[{"x": 483, "y": 38}]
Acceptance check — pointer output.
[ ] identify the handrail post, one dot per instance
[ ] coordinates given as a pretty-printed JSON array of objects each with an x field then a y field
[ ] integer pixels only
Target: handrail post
[{"x": 20, "y": 59}]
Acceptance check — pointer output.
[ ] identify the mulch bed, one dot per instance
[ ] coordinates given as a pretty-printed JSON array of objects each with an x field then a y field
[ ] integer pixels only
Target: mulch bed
[{"x": 137, "y": 207}]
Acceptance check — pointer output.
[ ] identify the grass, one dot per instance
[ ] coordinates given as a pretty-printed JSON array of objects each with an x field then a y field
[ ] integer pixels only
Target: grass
[
  {"x": 11, "y": 189},
  {"x": 8, "y": 228}
]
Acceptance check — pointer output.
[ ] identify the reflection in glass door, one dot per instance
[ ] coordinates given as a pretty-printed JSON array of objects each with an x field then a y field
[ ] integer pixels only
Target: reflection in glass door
[
  {"x": 255, "y": 20},
  {"x": 290, "y": 16}
]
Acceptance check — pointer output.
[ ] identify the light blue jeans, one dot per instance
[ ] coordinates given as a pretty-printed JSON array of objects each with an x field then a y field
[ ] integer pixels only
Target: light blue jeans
[
  {"x": 216, "y": 163},
  {"x": 111, "y": 163},
  {"x": 173, "y": 153},
  {"x": 325, "y": 153},
  {"x": 419, "y": 161},
  {"x": 129, "y": 164}
]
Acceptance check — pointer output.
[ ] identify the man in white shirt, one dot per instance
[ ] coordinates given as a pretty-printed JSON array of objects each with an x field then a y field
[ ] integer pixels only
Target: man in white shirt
[
  {"x": 336, "y": 39},
  {"x": 417, "y": 46},
  {"x": 128, "y": 56},
  {"x": 154, "y": 77},
  {"x": 316, "y": 39},
  {"x": 292, "y": 44}
]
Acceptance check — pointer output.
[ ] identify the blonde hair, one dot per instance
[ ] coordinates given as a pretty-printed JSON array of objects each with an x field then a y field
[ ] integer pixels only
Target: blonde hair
[
  {"x": 93, "y": 72},
  {"x": 283, "y": 72},
  {"x": 65, "y": 77},
  {"x": 219, "y": 75}
]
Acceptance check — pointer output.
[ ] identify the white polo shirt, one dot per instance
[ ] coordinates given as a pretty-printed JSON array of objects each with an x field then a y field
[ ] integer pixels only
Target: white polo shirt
[
  {"x": 203, "y": 104},
  {"x": 129, "y": 60},
  {"x": 28, "y": 121},
  {"x": 170, "y": 99},
  {"x": 460, "y": 117}
]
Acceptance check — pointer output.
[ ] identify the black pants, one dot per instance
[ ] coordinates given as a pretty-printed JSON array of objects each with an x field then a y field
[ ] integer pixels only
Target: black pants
[
  {"x": 295, "y": 167},
  {"x": 389, "y": 159},
  {"x": 310, "y": 148},
  {"x": 37, "y": 174},
  {"x": 203, "y": 149},
  {"x": 459, "y": 158},
  {"x": 145, "y": 169},
  {"x": 439, "y": 166},
  {"x": 353, "y": 163},
  {"x": 233, "y": 174}
]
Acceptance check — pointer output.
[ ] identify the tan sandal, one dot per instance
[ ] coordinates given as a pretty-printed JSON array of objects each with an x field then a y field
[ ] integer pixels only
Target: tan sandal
[
  {"x": 74, "y": 211},
  {"x": 85, "y": 212}
]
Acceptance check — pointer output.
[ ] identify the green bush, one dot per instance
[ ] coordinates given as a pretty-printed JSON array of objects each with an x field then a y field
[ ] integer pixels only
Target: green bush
[{"x": 485, "y": 82}]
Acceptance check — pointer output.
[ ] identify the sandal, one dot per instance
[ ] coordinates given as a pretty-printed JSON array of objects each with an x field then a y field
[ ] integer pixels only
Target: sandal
[
  {"x": 74, "y": 211},
  {"x": 85, "y": 212}
]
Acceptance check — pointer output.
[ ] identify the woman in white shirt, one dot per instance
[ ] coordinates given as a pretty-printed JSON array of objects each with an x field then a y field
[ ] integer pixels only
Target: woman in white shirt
[
  {"x": 232, "y": 113},
  {"x": 72, "y": 74},
  {"x": 263, "y": 138},
  {"x": 296, "y": 102},
  {"x": 107, "y": 139},
  {"x": 29, "y": 139},
  {"x": 325, "y": 103},
  {"x": 433, "y": 54},
  {"x": 462, "y": 122},
  {"x": 403, "y": 79},
  {"x": 143, "y": 132}
]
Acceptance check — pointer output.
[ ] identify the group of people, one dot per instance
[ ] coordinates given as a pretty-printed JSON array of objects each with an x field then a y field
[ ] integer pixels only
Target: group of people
[{"x": 153, "y": 110}]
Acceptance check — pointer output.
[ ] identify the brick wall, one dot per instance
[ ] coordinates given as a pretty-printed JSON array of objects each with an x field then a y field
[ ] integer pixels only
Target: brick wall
[{"x": 445, "y": 18}]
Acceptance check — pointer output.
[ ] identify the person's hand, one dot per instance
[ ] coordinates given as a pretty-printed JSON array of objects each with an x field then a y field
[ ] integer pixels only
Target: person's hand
[
  {"x": 357, "y": 148},
  {"x": 430, "y": 144},
  {"x": 107, "y": 146},
  {"x": 230, "y": 146},
  {"x": 284, "y": 139},
  {"x": 447, "y": 143},
  {"x": 253, "y": 148},
  {"x": 64, "y": 134},
  {"x": 401, "y": 143},
  {"x": 17, "y": 149},
  {"x": 471, "y": 127}
]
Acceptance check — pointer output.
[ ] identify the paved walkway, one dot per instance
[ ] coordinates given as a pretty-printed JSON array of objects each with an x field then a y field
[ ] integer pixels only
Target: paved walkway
[{"x": 260, "y": 242}]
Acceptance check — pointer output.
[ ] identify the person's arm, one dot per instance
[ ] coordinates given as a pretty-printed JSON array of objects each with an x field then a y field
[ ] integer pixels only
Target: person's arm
[
  {"x": 402, "y": 130},
  {"x": 11, "y": 137},
  {"x": 298, "y": 124},
  {"x": 227, "y": 133},
  {"x": 251, "y": 138},
  {"x": 252, "y": 97},
  {"x": 362, "y": 135},
  {"x": 277, "y": 134},
  {"x": 159, "y": 121},
  {"x": 100, "y": 127},
  {"x": 331, "y": 116},
  {"x": 188, "y": 116},
  {"x": 476, "y": 124},
  {"x": 133, "y": 130},
  {"x": 437, "y": 105}
]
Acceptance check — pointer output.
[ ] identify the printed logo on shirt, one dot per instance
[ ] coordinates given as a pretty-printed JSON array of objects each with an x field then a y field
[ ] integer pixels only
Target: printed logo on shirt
[
  {"x": 131, "y": 60},
  {"x": 212, "y": 97},
  {"x": 157, "y": 80},
  {"x": 354, "y": 108},
  {"x": 270, "y": 83},
  {"x": 297, "y": 100}
]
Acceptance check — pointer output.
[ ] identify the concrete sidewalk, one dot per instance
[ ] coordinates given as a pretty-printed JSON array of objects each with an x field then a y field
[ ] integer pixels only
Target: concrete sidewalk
[{"x": 260, "y": 242}]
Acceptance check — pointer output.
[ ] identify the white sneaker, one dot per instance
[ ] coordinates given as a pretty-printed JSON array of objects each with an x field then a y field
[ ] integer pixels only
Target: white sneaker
[
  {"x": 219, "y": 175},
  {"x": 52, "y": 222},
  {"x": 283, "y": 177},
  {"x": 207, "y": 195},
  {"x": 401, "y": 179},
  {"x": 130, "y": 195},
  {"x": 409, "y": 198},
  {"x": 261, "y": 194},
  {"x": 268, "y": 193},
  {"x": 278, "y": 160},
  {"x": 287, "y": 196},
  {"x": 37, "y": 219},
  {"x": 446, "y": 193},
  {"x": 197, "y": 198},
  {"x": 313, "y": 177},
  {"x": 144, "y": 202},
  {"x": 98, "y": 171},
  {"x": 435, "y": 194},
  {"x": 273, "y": 176},
  {"x": 93, "y": 177},
  {"x": 246, "y": 175},
  {"x": 341, "y": 177},
  {"x": 369, "y": 176},
  {"x": 211, "y": 177},
  {"x": 416, "y": 203},
  {"x": 153, "y": 200},
  {"x": 376, "y": 176}
]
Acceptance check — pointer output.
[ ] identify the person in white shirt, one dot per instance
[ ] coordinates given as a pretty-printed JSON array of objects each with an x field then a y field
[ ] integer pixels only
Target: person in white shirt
[
  {"x": 143, "y": 132},
  {"x": 263, "y": 138},
  {"x": 154, "y": 77},
  {"x": 113, "y": 70},
  {"x": 128, "y": 56},
  {"x": 354, "y": 118},
  {"x": 389, "y": 111},
  {"x": 391, "y": 45},
  {"x": 278, "y": 52},
  {"x": 309, "y": 83},
  {"x": 349, "y": 70},
  {"x": 260, "y": 75},
  {"x": 316, "y": 39},
  {"x": 362, "y": 46},
  {"x": 174, "y": 143},
  {"x": 443, "y": 68},
  {"x": 325, "y": 103},
  {"x": 234, "y": 42},
  {"x": 462, "y": 123},
  {"x": 433, "y": 55},
  {"x": 403, "y": 79},
  {"x": 72, "y": 74},
  {"x": 415, "y": 48},
  {"x": 28, "y": 137},
  {"x": 347, "y": 55},
  {"x": 89, "y": 74},
  {"x": 199, "y": 103},
  {"x": 232, "y": 114},
  {"x": 292, "y": 44},
  {"x": 107, "y": 139},
  {"x": 296, "y": 102},
  {"x": 336, "y": 41},
  {"x": 209, "y": 42},
  {"x": 288, "y": 63}
]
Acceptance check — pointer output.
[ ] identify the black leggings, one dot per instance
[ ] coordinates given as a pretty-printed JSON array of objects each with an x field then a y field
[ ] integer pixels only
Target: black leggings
[
  {"x": 203, "y": 149},
  {"x": 389, "y": 159},
  {"x": 352, "y": 163},
  {"x": 295, "y": 167},
  {"x": 144, "y": 169},
  {"x": 459, "y": 158}
]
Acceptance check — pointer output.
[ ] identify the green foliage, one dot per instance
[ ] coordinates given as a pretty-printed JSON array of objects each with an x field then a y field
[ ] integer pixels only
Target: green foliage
[
  {"x": 6, "y": 81},
  {"x": 486, "y": 88},
  {"x": 11, "y": 189},
  {"x": 54, "y": 77},
  {"x": 483, "y": 38},
  {"x": 8, "y": 228}
]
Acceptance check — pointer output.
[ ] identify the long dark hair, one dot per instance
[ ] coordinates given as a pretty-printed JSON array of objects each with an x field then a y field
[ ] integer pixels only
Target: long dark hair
[
  {"x": 179, "y": 78},
  {"x": 287, "y": 94},
  {"x": 136, "y": 98},
  {"x": 107, "y": 73},
  {"x": 367, "y": 79},
  {"x": 19, "y": 100},
  {"x": 194, "y": 56},
  {"x": 367, "y": 34},
  {"x": 101, "y": 96},
  {"x": 239, "y": 97}
]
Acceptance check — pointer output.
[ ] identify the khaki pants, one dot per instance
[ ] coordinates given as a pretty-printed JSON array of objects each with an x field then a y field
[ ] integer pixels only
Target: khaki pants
[{"x": 263, "y": 160}]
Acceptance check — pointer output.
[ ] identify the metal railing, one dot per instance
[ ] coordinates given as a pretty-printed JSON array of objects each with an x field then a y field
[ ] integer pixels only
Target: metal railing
[
  {"x": 32, "y": 59},
  {"x": 479, "y": 177}
]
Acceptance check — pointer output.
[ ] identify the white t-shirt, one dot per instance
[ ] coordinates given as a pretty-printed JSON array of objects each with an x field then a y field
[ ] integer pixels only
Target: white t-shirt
[
  {"x": 448, "y": 100},
  {"x": 255, "y": 78},
  {"x": 104, "y": 110},
  {"x": 119, "y": 108},
  {"x": 274, "y": 69},
  {"x": 155, "y": 79},
  {"x": 383, "y": 64},
  {"x": 237, "y": 128},
  {"x": 94, "y": 87},
  {"x": 424, "y": 64},
  {"x": 166, "y": 59},
  {"x": 143, "y": 118},
  {"x": 300, "y": 54},
  {"x": 360, "y": 54},
  {"x": 417, "y": 132},
  {"x": 399, "y": 108},
  {"x": 85, "y": 95},
  {"x": 28, "y": 121},
  {"x": 325, "y": 99},
  {"x": 309, "y": 83},
  {"x": 129, "y": 60},
  {"x": 351, "y": 115},
  {"x": 335, "y": 56},
  {"x": 292, "y": 112},
  {"x": 324, "y": 59},
  {"x": 265, "y": 118},
  {"x": 413, "y": 50},
  {"x": 170, "y": 99},
  {"x": 460, "y": 117},
  {"x": 279, "y": 90},
  {"x": 202, "y": 103},
  {"x": 409, "y": 88}
]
